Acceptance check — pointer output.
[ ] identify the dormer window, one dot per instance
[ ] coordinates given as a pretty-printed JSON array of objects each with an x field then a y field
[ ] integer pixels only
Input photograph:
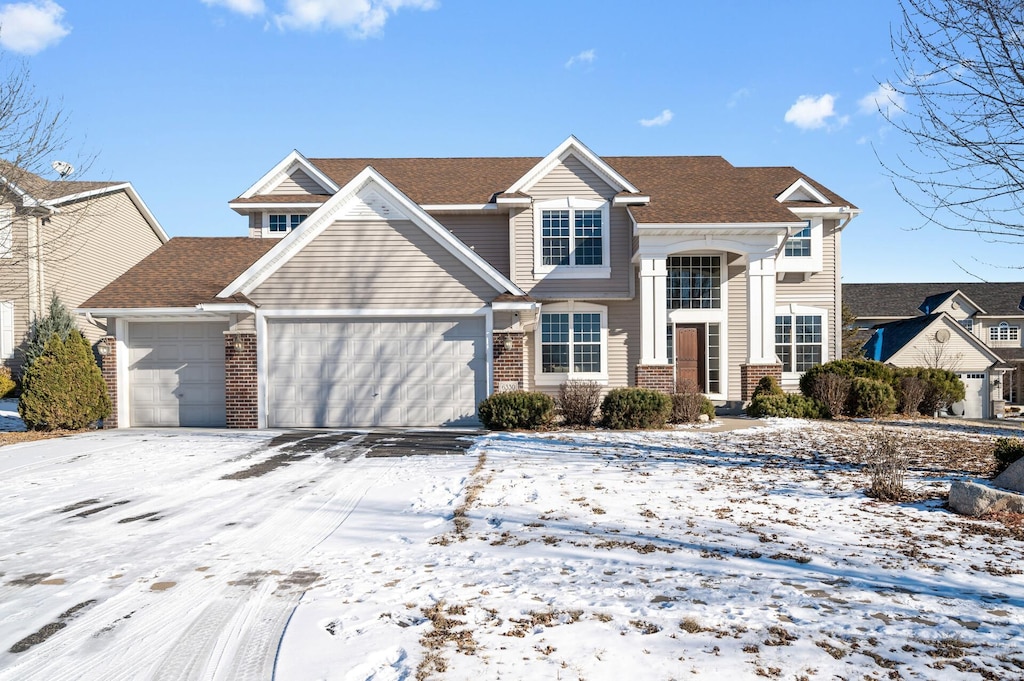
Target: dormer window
[
  {"x": 572, "y": 238},
  {"x": 280, "y": 224}
]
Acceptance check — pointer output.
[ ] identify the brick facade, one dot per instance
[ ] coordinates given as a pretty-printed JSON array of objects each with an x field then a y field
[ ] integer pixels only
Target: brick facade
[
  {"x": 508, "y": 364},
  {"x": 241, "y": 398},
  {"x": 108, "y": 367},
  {"x": 750, "y": 374},
  {"x": 656, "y": 377}
]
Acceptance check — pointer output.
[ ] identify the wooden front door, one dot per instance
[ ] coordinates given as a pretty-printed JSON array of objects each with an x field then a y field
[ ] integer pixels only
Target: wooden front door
[{"x": 689, "y": 355}]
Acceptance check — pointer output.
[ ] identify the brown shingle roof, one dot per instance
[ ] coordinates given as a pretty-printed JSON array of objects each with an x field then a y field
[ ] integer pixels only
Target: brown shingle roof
[
  {"x": 683, "y": 189},
  {"x": 40, "y": 188},
  {"x": 183, "y": 272}
]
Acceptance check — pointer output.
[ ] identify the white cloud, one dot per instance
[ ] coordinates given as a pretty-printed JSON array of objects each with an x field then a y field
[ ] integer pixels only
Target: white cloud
[
  {"x": 249, "y": 8},
  {"x": 810, "y": 113},
  {"x": 584, "y": 57},
  {"x": 661, "y": 119},
  {"x": 884, "y": 99},
  {"x": 29, "y": 27},
  {"x": 363, "y": 18},
  {"x": 739, "y": 96}
]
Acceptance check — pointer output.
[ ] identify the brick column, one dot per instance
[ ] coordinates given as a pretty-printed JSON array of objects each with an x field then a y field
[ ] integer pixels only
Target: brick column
[
  {"x": 108, "y": 367},
  {"x": 656, "y": 377},
  {"x": 508, "y": 364},
  {"x": 750, "y": 374},
  {"x": 241, "y": 398}
]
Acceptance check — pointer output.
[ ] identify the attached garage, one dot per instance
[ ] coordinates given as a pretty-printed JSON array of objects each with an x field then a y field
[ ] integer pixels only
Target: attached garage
[
  {"x": 364, "y": 372},
  {"x": 975, "y": 403},
  {"x": 176, "y": 373}
]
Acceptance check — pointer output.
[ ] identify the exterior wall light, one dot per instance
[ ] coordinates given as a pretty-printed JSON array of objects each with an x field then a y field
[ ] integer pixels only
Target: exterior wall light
[
  {"x": 103, "y": 348},
  {"x": 508, "y": 344},
  {"x": 238, "y": 345}
]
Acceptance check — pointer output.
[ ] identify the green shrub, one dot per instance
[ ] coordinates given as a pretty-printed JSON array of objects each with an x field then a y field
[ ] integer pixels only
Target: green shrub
[
  {"x": 63, "y": 388},
  {"x": 7, "y": 383},
  {"x": 58, "y": 320},
  {"x": 871, "y": 397},
  {"x": 785, "y": 406},
  {"x": 851, "y": 368},
  {"x": 518, "y": 409},
  {"x": 635, "y": 408},
  {"x": 944, "y": 388},
  {"x": 577, "y": 402},
  {"x": 1008, "y": 450},
  {"x": 768, "y": 386}
]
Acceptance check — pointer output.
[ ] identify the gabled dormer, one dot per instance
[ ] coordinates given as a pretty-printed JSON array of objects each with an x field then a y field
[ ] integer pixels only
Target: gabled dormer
[
  {"x": 281, "y": 200},
  {"x": 804, "y": 246},
  {"x": 956, "y": 304}
]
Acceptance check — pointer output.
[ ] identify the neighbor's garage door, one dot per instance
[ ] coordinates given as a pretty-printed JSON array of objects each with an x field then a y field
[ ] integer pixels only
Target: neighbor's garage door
[
  {"x": 375, "y": 372},
  {"x": 176, "y": 373},
  {"x": 975, "y": 390}
]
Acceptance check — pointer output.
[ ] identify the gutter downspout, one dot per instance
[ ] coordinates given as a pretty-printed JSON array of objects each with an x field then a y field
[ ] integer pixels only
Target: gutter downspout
[{"x": 878, "y": 345}]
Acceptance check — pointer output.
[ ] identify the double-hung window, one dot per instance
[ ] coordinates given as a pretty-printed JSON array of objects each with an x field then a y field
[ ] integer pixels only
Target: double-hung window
[
  {"x": 799, "y": 245},
  {"x": 280, "y": 224},
  {"x": 572, "y": 238},
  {"x": 572, "y": 342},
  {"x": 799, "y": 341}
]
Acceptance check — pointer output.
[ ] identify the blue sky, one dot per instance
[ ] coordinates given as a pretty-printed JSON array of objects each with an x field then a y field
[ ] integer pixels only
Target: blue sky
[{"x": 193, "y": 100}]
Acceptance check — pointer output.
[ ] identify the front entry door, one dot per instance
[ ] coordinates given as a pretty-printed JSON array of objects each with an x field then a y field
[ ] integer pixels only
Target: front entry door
[{"x": 689, "y": 355}]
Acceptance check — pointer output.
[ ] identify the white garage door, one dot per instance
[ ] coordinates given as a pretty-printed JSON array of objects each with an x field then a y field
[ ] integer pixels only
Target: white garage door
[
  {"x": 176, "y": 373},
  {"x": 375, "y": 372},
  {"x": 975, "y": 390}
]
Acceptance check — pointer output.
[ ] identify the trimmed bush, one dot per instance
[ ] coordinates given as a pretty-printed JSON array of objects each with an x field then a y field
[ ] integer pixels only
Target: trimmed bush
[
  {"x": 768, "y": 386},
  {"x": 833, "y": 391},
  {"x": 516, "y": 410},
  {"x": 851, "y": 368},
  {"x": 7, "y": 383},
  {"x": 871, "y": 397},
  {"x": 944, "y": 388},
  {"x": 63, "y": 388},
  {"x": 785, "y": 406},
  {"x": 689, "y": 403},
  {"x": 1008, "y": 451},
  {"x": 910, "y": 393},
  {"x": 635, "y": 408},
  {"x": 577, "y": 402},
  {"x": 58, "y": 320}
]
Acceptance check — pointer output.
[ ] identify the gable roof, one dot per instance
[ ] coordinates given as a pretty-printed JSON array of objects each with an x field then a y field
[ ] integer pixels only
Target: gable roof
[
  {"x": 326, "y": 215},
  {"x": 903, "y": 300},
  {"x": 184, "y": 272},
  {"x": 573, "y": 147},
  {"x": 889, "y": 339}
]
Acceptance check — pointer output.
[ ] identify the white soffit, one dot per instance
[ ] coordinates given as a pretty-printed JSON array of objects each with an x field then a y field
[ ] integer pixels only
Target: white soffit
[
  {"x": 802, "y": 190},
  {"x": 283, "y": 171}
]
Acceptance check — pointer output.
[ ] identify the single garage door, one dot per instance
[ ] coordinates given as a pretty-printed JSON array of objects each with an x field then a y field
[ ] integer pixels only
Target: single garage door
[
  {"x": 375, "y": 372},
  {"x": 176, "y": 373},
  {"x": 974, "y": 405}
]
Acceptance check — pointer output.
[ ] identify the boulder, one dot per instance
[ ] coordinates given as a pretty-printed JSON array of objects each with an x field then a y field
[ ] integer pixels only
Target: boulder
[
  {"x": 973, "y": 499},
  {"x": 1012, "y": 478}
]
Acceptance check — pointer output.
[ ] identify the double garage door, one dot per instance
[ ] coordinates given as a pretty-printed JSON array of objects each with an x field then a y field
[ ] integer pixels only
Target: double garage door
[{"x": 375, "y": 372}]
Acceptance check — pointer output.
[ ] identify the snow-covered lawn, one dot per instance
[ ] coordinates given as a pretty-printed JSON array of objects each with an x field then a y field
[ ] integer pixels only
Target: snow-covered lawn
[{"x": 594, "y": 555}]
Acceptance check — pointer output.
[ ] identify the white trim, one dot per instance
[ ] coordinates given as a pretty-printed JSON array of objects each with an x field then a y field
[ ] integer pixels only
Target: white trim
[
  {"x": 637, "y": 200},
  {"x": 513, "y": 200},
  {"x": 271, "y": 206},
  {"x": 121, "y": 367},
  {"x": 372, "y": 312},
  {"x": 804, "y": 263},
  {"x": 140, "y": 311},
  {"x": 6, "y": 329},
  {"x": 826, "y": 212},
  {"x": 802, "y": 185},
  {"x": 570, "y": 308},
  {"x": 572, "y": 271},
  {"x": 283, "y": 170},
  {"x": 6, "y": 232},
  {"x": 262, "y": 369},
  {"x": 316, "y": 223},
  {"x": 572, "y": 147},
  {"x": 226, "y": 308},
  {"x": 443, "y": 207},
  {"x": 128, "y": 189},
  {"x": 515, "y": 305},
  {"x": 792, "y": 310},
  {"x": 718, "y": 226}
]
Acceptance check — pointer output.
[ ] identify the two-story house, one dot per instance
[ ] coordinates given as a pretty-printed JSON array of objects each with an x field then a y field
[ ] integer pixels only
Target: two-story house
[
  {"x": 990, "y": 312},
  {"x": 66, "y": 237},
  {"x": 403, "y": 291}
]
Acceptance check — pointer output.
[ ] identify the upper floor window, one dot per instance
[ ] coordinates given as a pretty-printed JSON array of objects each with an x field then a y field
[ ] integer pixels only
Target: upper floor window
[
  {"x": 572, "y": 342},
  {"x": 694, "y": 282},
  {"x": 572, "y": 238},
  {"x": 283, "y": 223},
  {"x": 799, "y": 341},
  {"x": 967, "y": 324},
  {"x": 1004, "y": 332},
  {"x": 799, "y": 245}
]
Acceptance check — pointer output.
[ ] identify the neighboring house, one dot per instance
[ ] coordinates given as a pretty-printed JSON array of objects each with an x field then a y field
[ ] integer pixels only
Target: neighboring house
[
  {"x": 938, "y": 340},
  {"x": 403, "y": 291},
  {"x": 990, "y": 312},
  {"x": 71, "y": 238}
]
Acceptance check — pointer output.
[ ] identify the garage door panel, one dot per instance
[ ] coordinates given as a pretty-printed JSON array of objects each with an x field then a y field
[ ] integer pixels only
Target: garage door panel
[{"x": 378, "y": 372}]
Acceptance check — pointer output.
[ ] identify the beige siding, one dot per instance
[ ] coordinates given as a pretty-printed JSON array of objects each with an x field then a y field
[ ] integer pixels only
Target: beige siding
[
  {"x": 623, "y": 347},
  {"x": 297, "y": 183},
  {"x": 737, "y": 331},
  {"x": 373, "y": 264},
  {"x": 819, "y": 289},
  {"x": 256, "y": 225},
  {"x": 14, "y": 284},
  {"x": 572, "y": 178},
  {"x": 956, "y": 354},
  {"x": 487, "y": 235}
]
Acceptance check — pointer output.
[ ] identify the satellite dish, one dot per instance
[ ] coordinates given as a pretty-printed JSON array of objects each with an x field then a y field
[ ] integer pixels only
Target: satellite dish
[{"x": 63, "y": 168}]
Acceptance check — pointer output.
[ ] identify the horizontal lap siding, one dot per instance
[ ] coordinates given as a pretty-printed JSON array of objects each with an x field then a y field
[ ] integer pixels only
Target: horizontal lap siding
[
  {"x": 373, "y": 264},
  {"x": 573, "y": 178},
  {"x": 737, "y": 302},
  {"x": 486, "y": 235},
  {"x": 298, "y": 183},
  {"x": 956, "y": 354},
  {"x": 819, "y": 289},
  {"x": 14, "y": 287}
]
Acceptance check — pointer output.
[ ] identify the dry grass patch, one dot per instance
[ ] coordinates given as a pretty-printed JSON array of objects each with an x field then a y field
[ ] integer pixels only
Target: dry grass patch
[
  {"x": 33, "y": 435},
  {"x": 445, "y": 631}
]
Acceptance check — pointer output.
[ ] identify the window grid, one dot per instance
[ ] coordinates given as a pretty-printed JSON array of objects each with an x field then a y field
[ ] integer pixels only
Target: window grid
[
  {"x": 555, "y": 237},
  {"x": 1004, "y": 332},
  {"x": 799, "y": 245},
  {"x": 554, "y": 343},
  {"x": 967, "y": 324},
  {"x": 575, "y": 337},
  {"x": 714, "y": 359},
  {"x": 694, "y": 282},
  {"x": 278, "y": 223},
  {"x": 798, "y": 341},
  {"x": 586, "y": 342},
  {"x": 588, "y": 236}
]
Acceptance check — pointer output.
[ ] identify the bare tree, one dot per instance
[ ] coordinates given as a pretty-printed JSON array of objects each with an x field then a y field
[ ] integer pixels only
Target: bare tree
[{"x": 959, "y": 97}]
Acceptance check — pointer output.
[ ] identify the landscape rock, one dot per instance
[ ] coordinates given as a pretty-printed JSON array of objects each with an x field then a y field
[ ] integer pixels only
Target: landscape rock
[
  {"x": 1012, "y": 478},
  {"x": 973, "y": 499}
]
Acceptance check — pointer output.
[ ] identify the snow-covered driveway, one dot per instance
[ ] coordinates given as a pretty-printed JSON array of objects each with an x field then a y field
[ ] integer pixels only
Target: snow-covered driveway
[{"x": 588, "y": 555}]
